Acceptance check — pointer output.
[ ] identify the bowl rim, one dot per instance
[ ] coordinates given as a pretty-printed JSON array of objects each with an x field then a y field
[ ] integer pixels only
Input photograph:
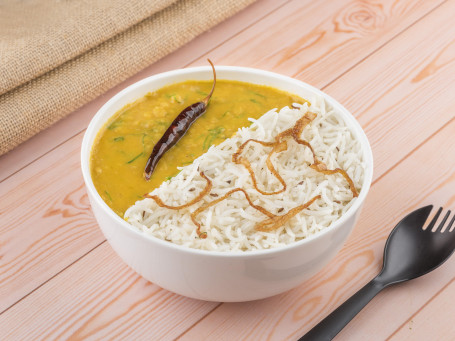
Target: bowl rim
[{"x": 350, "y": 120}]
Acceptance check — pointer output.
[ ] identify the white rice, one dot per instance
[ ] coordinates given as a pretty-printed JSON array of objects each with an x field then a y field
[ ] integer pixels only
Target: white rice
[{"x": 230, "y": 223}]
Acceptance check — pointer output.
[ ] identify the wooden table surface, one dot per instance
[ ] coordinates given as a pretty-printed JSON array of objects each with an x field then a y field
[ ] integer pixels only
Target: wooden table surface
[{"x": 390, "y": 62}]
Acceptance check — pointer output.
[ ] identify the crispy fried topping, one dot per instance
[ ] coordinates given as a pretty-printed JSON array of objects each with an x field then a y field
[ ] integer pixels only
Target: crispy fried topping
[
  {"x": 216, "y": 201},
  {"x": 277, "y": 221},
  {"x": 280, "y": 145},
  {"x": 206, "y": 190}
]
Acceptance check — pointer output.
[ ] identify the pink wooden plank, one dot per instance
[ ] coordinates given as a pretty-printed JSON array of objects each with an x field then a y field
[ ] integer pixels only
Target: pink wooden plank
[
  {"x": 47, "y": 223},
  {"x": 435, "y": 319},
  {"x": 334, "y": 37},
  {"x": 101, "y": 299}
]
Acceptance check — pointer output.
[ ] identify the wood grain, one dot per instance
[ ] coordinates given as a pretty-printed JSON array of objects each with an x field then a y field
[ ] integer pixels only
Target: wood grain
[
  {"x": 46, "y": 218},
  {"x": 317, "y": 41},
  {"x": 435, "y": 318},
  {"x": 114, "y": 304}
]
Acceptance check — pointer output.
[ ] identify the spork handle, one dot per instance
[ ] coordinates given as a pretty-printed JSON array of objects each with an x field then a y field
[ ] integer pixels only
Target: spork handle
[{"x": 329, "y": 327}]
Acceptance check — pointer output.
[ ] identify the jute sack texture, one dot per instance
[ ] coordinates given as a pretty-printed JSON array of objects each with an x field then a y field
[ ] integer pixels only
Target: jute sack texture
[{"x": 55, "y": 56}]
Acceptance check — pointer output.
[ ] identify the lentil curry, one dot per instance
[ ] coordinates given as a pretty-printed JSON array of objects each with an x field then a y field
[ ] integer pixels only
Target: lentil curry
[{"x": 123, "y": 145}]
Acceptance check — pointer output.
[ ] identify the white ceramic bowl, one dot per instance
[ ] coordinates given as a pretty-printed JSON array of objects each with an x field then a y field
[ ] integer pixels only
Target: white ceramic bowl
[{"x": 209, "y": 275}]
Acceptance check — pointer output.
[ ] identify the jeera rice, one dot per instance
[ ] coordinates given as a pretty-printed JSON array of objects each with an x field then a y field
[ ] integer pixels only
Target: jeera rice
[{"x": 230, "y": 224}]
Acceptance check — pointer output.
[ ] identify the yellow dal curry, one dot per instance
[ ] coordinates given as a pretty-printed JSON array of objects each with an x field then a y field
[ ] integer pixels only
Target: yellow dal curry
[{"x": 124, "y": 144}]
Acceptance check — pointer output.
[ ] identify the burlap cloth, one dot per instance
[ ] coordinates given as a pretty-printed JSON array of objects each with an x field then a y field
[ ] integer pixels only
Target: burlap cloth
[{"x": 56, "y": 56}]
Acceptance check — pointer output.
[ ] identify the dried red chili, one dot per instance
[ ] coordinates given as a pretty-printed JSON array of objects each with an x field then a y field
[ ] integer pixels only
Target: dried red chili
[{"x": 177, "y": 129}]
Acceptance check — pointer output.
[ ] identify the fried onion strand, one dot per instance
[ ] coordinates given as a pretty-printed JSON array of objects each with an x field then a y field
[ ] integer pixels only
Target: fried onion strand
[
  {"x": 214, "y": 202},
  {"x": 206, "y": 190},
  {"x": 277, "y": 221}
]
